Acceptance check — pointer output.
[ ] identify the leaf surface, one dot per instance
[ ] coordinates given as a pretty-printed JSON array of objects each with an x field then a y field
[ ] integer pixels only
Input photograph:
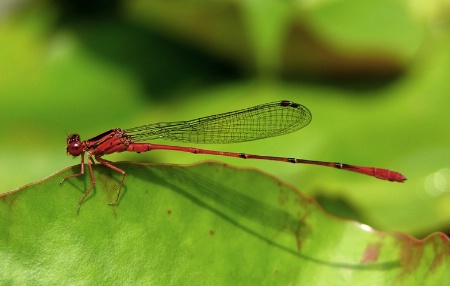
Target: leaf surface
[{"x": 204, "y": 224}]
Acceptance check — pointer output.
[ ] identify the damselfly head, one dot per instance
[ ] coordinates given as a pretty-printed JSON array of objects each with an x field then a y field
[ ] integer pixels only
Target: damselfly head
[{"x": 74, "y": 146}]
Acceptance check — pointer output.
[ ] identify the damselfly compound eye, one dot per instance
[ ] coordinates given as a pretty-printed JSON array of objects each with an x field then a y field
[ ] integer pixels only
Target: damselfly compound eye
[
  {"x": 74, "y": 146},
  {"x": 75, "y": 149}
]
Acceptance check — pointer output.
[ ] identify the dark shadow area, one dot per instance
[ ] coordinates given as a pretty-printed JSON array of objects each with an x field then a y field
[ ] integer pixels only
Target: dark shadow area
[
  {"x": 340, "y": 207},
  {"x": 74, "y": 10},
  {"x": 164, "y": 64},
  {"x": 309, "y": 57}
]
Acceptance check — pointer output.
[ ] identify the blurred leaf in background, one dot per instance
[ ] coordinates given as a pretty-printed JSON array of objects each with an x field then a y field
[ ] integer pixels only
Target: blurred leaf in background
[{"x": 373, "y": 73}]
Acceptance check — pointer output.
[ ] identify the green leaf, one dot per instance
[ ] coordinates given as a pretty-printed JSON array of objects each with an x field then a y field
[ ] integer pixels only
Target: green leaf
[{"x": 202, "y": 224}]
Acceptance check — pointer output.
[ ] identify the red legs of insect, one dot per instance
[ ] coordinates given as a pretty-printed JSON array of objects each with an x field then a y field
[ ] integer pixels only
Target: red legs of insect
[
  {"x": 91, "y": 162},
  {"x": 110, "y": 165},
  {"x": 75, "y": 175}
]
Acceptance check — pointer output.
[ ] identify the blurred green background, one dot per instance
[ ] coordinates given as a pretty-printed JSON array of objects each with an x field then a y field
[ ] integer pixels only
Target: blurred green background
[{"x": 375, "y": 76}]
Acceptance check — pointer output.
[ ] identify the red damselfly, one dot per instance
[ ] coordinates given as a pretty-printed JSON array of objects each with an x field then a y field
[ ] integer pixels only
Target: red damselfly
[{"x": 254, "y": 123}]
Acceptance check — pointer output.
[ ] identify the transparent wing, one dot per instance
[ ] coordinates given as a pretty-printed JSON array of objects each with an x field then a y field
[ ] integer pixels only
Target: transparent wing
[{"x": 258, "y": 122}]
